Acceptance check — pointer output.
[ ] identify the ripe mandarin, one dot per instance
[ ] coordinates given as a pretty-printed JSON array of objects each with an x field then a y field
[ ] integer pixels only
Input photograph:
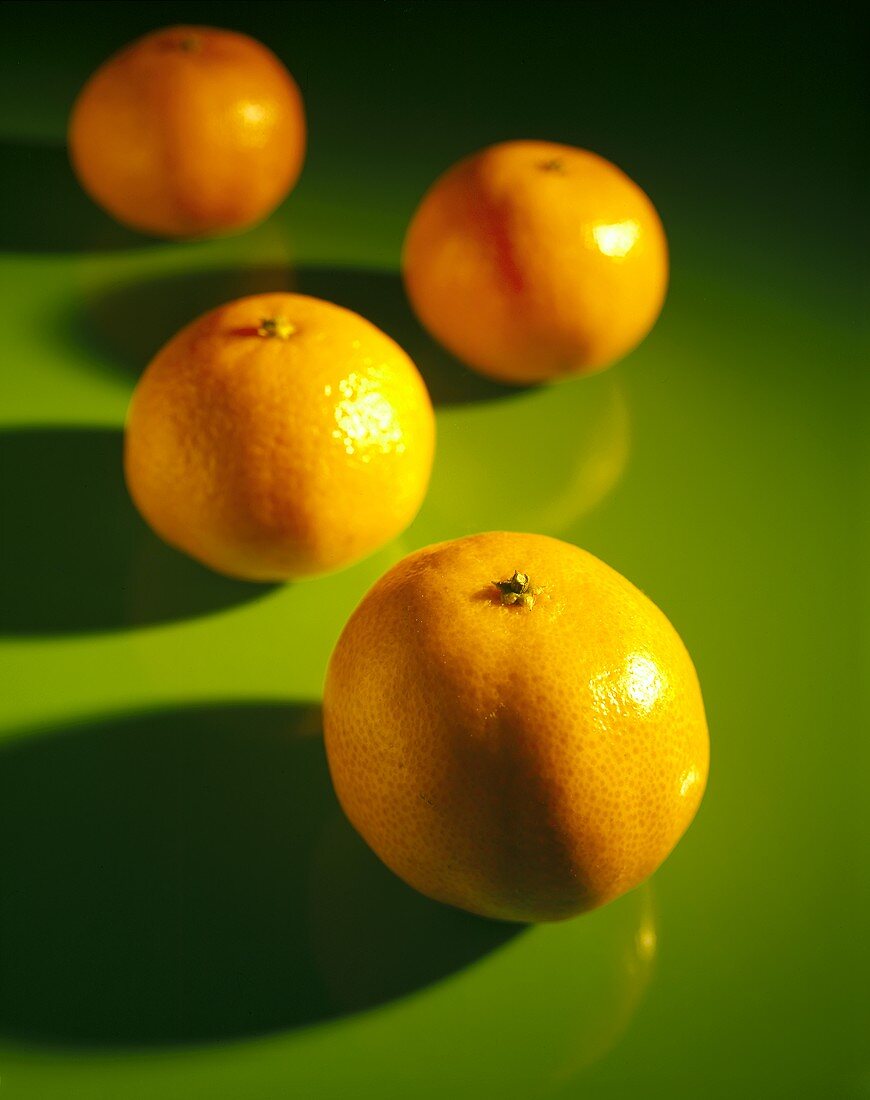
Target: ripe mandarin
[
  {"x": 279, "y": 436},
  {"x": 525, "y": 749},
  {"x": 189, "y": 131},
  {"x": 533, "y": 261}
]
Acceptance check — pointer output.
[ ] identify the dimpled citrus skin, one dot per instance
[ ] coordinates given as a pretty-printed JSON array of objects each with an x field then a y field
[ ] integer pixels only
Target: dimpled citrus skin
[
  {"x": 533, "y": 261},
  {"x": 522, "y": 763},
  {"x": 270, "y": 457},
  {"x": 189, "y": 131}
]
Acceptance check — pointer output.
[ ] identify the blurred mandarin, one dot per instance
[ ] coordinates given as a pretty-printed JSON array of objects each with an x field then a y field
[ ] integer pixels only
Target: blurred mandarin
[
  {"x": 533, "y": 261},
  {"x": 189, "y": 131}
]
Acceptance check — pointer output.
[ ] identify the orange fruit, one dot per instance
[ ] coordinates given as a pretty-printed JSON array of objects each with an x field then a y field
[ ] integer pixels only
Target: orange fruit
[
  {"x": 279, "y": 436},
  {"x": 531, "y": 261},
  {"x": 189, "y": 131},
  {"x": 526, "y": 749}
]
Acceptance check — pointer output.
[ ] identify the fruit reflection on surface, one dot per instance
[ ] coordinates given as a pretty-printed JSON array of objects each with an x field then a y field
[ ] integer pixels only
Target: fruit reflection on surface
[
  {"x": 587, "y": 428},
  {"x": 279, "y": 436},
  {"x": 533, "y": 261},
  {"x": 526, "y": 749},
  {"x": 189, "y": 131}
]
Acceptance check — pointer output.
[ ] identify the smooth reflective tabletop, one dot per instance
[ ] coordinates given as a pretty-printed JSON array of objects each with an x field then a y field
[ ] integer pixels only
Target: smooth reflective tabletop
[{"x": 183, "y": 910}]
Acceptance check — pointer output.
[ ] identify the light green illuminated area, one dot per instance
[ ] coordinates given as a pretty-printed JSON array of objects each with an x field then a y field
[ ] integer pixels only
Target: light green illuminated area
[{"x": 183, "y": 910}]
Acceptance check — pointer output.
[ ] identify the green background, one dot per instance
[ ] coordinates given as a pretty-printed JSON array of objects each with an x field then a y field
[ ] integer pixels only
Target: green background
[{"x": 183, "y": 911}]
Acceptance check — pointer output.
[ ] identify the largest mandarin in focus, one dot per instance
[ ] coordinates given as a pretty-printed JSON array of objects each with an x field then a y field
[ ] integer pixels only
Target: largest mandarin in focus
[
  {"x": 515, "y": 728},
  {"x": 533, "y": 261},
  {"x": 278, "y": 437},
  {"x": 189, "y": 131}
]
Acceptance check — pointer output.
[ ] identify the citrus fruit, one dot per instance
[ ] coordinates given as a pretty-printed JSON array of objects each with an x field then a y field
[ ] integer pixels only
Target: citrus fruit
[
  {"x": 531, "y": 261},
  {"x": 279, "y": 436},
  {"x": 189, "y": 131},
  {"x": 514, "y": 728}
]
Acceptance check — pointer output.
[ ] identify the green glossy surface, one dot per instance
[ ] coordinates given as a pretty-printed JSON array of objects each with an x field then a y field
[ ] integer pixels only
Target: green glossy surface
[{"x": 183, "y": 912}]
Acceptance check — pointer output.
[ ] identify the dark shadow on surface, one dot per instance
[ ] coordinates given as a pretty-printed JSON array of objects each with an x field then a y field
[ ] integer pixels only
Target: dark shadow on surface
[
  {"x": 187, "y": 876},
  {"x": 375, "y": 938},
  {"x": 46, "y": 210},
  {"x": 380, "y": 297},
  {"x": 128, "y": 323},
  {"x": 132, "y": 321},
  {"x": 76, "y": 554}
]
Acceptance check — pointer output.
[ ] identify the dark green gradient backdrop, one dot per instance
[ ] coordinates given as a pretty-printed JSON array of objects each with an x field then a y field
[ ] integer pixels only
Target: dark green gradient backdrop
[{"x": 183, "y": 912}]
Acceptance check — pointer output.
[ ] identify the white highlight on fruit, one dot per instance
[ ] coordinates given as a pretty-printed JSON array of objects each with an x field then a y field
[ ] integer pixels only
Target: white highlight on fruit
[
  {"x": 643, "y": 680},
  {"x": 617, "y": 239},
  {"x": 689, "y": 779}
]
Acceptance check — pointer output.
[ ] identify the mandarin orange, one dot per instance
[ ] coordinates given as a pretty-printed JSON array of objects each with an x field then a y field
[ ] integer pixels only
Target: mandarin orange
[
  {"x": 189, "y": 131},
  {"x": 525, "y": 749},
  {"x": 533, "y": 261},
  {"x": 279, "y": 436}
]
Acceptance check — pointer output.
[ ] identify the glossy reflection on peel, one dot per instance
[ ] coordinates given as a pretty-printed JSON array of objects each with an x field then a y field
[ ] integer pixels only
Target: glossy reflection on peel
[
  {"x": 616, "y": 240},
  {"x": 367, "y": 424},
  {"x": 253, "y": 113},
  {"x": 644, "y": 680},
  {"x": 637, "y": 685},
  {"x": 688, "y": 781}
]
